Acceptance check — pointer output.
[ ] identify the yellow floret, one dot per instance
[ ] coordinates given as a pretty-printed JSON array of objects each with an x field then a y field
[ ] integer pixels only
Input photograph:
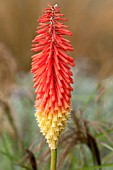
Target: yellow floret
[{"x": 51, "y": 125}]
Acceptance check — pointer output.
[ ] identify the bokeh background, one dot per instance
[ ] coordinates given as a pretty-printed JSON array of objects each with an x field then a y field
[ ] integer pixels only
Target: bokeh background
[{"x": 91, "y": 22}]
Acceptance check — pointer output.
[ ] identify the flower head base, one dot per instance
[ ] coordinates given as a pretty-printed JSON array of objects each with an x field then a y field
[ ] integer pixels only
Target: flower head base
[{"x": 52, "y": 75}]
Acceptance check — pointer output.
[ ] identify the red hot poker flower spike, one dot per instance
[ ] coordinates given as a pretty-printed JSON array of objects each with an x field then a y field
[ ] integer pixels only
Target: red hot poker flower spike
[{"x": 52, "y": 74}]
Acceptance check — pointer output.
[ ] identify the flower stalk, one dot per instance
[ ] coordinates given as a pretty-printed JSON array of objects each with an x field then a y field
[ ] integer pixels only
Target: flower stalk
[{"x": 53, "y": 159}]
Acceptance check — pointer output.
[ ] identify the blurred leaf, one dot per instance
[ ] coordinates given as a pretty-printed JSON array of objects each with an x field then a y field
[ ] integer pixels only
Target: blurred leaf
[{"x": 92, "y": 144}]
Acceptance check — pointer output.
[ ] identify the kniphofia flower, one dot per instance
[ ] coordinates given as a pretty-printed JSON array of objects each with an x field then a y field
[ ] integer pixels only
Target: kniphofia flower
[{"x": 52, "y": 74}]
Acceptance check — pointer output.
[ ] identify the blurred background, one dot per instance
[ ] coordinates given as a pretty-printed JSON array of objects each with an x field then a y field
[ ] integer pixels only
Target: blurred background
[{"x": 91, "y": 22}]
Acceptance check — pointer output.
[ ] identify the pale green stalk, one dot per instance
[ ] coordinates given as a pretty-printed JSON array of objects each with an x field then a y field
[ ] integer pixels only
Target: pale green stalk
[{"x": 53, "y": 159}]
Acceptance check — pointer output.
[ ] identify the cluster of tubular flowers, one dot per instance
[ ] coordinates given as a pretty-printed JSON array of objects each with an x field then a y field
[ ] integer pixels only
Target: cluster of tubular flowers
[{"x": 52, "y": 75}]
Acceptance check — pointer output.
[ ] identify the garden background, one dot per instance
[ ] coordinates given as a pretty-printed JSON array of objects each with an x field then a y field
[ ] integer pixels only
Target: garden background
[{"x": 88, "y": 139}]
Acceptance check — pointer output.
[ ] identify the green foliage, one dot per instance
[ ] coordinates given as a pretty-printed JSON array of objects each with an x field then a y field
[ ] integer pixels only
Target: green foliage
[{"x": 91, "y": 99}]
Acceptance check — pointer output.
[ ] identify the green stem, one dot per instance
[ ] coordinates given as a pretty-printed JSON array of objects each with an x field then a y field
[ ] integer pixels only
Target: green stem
[{"x": 53, "y": 159}]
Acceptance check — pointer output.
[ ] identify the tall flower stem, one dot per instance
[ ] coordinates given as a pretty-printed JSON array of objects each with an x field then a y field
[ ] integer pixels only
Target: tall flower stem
[{"x": 53, "y": 159}]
